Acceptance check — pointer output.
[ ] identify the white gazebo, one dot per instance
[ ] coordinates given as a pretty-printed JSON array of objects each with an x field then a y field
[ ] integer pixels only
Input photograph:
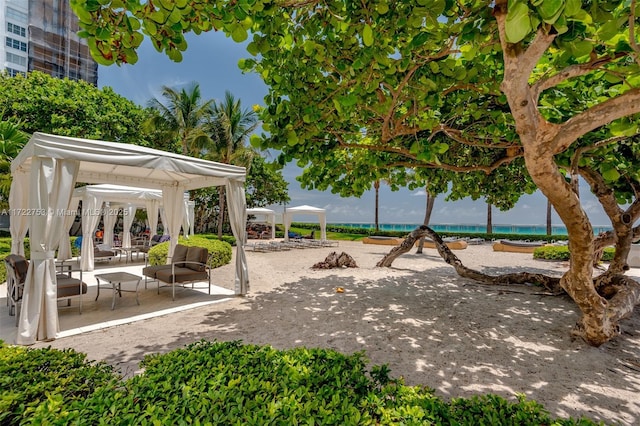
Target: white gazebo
[
  {"x": 302, "y": 210},
  {"x": 268, "y": 215},
  {"x": 44, "y": 176},
  {"x": 105, "y": 200}
]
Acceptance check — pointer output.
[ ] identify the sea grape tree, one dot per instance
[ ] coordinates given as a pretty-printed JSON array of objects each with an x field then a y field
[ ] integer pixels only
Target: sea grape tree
[{"x": 363, "y": 90}]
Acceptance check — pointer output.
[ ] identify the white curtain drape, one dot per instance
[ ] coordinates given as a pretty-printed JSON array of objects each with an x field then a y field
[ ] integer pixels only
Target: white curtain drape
[
  {"x": 90, "y": 218},
  {"x": 173, "y": 200},
  {"x": 52, "y": 181},
  {"x": 163, "y": 218},
  {"x": 109, "y": 217},
  {"x": 191, "y": 211},
  {"x": 18, "y": 203},
  {"x": 186, "y": 224},
  {"x": 238, "y": 219},
  {"x": 128, "y": 214},
  {"x": 152, "y": 216},
  {"x": 64, "y": 249}
]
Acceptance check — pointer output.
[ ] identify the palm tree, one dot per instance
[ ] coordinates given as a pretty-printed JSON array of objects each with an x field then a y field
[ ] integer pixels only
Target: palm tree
[
  {"x": 12, "y": 140},
  {"x": 182, "y": 117},
  {"x": 229, "y": 130},
  {"x": 376, "y": 186}
]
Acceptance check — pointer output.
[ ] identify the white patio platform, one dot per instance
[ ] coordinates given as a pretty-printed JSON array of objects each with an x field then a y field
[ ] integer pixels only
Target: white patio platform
[{"x": 98, "y": 314}]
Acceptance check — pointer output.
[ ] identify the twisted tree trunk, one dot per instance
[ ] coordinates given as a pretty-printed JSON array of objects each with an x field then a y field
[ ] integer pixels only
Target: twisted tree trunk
[
  {"x": 551, "y": 284},
  {"x": 427, "y": 217}
]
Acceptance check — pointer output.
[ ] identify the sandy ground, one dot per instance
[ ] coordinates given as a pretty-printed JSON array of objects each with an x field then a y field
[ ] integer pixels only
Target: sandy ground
[{"x": 428, "y": 325}]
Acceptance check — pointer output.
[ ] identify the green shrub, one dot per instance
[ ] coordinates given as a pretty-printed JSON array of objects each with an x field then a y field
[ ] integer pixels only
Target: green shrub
[
  {"x": 551, "y": 253},
  {"x": 232, "y": 383},
  {"x": 3, "y": 269},
  {"x": 228, "y": 238},
  {"x": 37, "y": 381},
  {"x": 562, "y": 253},
  {"x": 219, "y": 251}
]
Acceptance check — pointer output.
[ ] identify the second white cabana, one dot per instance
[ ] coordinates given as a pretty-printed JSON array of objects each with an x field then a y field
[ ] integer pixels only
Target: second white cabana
[
  {"x": 305, "y": 210},
  {"x": 48, "y": 168},
  {"x": 105, "y": 199},
  {"x": 268, "y": 214}
]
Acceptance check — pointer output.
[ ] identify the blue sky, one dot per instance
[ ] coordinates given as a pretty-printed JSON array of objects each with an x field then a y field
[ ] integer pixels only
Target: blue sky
[{"x": 211, "y": 60}]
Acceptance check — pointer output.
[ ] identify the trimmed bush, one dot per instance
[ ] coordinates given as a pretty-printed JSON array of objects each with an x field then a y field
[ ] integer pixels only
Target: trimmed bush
[
  {"x": 232, "y": 383},
  {"x": 562, "y": 253},
  {"x": 37, "y": 381},
  {"x": 228, "y": 238},
  {"x": 219, "y": 251}
]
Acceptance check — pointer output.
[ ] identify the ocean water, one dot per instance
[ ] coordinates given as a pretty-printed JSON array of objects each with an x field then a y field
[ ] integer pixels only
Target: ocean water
[{"x": 470, "y": 228}]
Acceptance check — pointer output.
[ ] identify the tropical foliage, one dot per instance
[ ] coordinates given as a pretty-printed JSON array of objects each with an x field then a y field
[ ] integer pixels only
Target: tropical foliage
[
  {"x": 12, "y": 139},
  {"x": 41, "y": 103},
  {"x": 234, "y": 383},
  {"x": 230, "y": 127},
  {"x": 181, "y": 117},
  {"x": 479, "y": 88},
  {"x": 265, "y": 184}
]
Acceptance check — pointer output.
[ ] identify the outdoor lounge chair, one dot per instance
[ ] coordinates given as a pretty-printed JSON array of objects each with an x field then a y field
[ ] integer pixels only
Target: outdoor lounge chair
[
  {"x": 67, "y": 286},
  {"x": 188, "y": 266},
  {"x": 103, "y": 252},
  {"x": 516, "y": 246},
  {"x": 294, "y": 235},
  {"x": 382, "y": 240},
  {"x": 148, "y": 243}
]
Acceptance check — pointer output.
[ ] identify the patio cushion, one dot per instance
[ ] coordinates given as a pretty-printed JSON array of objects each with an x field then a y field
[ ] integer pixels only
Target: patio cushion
[
  {"x": 180, "y": 255},
  {"x": 181, "y": 275},
  {"x": 98, "y": 252},
  {"x": 151, "y": 271},
  {"x": 197, "y": 254},
  {"x": 20, "y": 265},
  {"x": 68, "y": 287}
]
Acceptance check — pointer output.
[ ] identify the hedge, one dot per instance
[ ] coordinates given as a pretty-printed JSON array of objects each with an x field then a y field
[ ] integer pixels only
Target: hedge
[
  {"x": 219, "y": 251},
  {"x": 562, "y": 253},
  {"x": 235, "y": 384}
]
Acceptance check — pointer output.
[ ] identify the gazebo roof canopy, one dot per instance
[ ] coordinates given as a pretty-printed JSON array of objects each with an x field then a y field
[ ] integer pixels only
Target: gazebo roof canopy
[
  {"x": 119, "y": 193},
  {"x": 126, "y": 164},
  {"x": 305, "y": 209},
  {"x": 261, "y": 211}
]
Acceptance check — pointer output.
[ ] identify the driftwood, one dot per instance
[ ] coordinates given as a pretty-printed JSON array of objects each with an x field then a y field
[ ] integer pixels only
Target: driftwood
[
  {"x": 335, "y": 260},
  {"x": 552, "y": 284}
]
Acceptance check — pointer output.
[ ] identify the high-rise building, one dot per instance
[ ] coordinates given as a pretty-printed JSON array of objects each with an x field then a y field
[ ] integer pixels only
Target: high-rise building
[{"x": 41, "y": 35}]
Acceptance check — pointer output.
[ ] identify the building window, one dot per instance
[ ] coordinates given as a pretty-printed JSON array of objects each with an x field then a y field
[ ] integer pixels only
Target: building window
[
  {"x": 13, "y": 73},
  {"x": 16, "y": 59},
  {"x": 16, "y": 29},
  {"x": 16, "y": 15},
  {"x": 16, "y": 44}
]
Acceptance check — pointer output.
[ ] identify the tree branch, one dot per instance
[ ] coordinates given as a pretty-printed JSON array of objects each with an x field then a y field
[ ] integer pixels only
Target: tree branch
[
  {"x": 577, "y": 155},
  {"x": 571, "y": 72},
  {"x": 595, "y": 117}
]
